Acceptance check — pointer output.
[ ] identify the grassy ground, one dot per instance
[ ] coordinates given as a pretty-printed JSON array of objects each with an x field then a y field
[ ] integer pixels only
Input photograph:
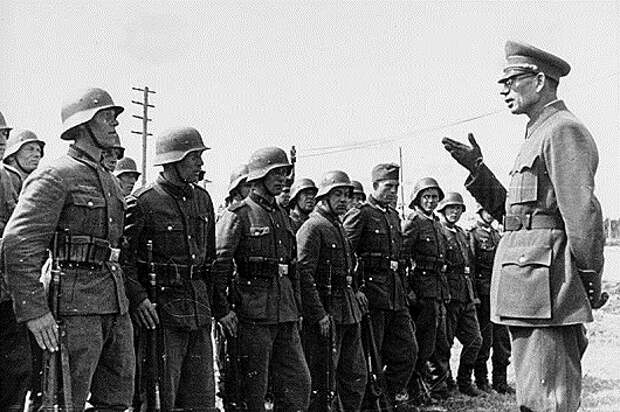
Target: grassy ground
[{"x": 601, "y": 366}]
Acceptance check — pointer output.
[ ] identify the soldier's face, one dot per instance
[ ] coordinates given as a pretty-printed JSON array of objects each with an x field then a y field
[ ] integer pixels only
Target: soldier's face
[
  {"x": 520, "y": 92},
  {"x": 338, "y": 199},
  {"x": 243, "y": 189},
  {"x": 386, "y": 191},
  {"x": 29, "y": 156},
  {"x": 108, "y": 159},
  {"x": 127, "y": 181},
  {"x": 274, "y": 182},
  {"x": 429, "y": 199},
  {"x": 305, "y": 200},
  {"x": 453, "y": 213},
  {"x": 190, "y": 167},
  {"x": 486, "y": 217},
  {"x": 103, "y": 125},
  {"x": 4, "y": 135}
]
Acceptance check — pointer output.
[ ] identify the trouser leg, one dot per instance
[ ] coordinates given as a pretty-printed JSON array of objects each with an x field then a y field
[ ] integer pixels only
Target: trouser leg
[
  {"x": 486, "y": 331},
  {"x": 468, "y": 333},
  {"x": 351, "y": 370},
  {"x": 399, "y": 351},
  {"x": 501, "y": 353},
  {"x": 547, "y": 364}
]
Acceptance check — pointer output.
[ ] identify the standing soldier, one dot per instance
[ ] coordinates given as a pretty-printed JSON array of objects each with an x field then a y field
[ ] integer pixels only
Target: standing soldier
[
  {"x": 255, "y": 239},
  {"x": 461, "y": 321},
  {"x": 548, "y": 265},
  {"x": 75, "y": 201},
  {"x": 111, "y": 155},
  {"x": 374, "y": 232},
  {"x": 358, "y": 197},
  {"x": 127, "y": 174},
  {"x": 24, "y": 151},
  {"x": 8, "y": 193},
  {"x": 238, "y": 189},
  {"x": 333, "y": 305},
  {"x": 284, "y": 198},
  {"x": 424, "y": 246},
  {"x": 176, "y": 215},
  {"x": 484, "y": 238},
  {"x": 302, "y": 202}
]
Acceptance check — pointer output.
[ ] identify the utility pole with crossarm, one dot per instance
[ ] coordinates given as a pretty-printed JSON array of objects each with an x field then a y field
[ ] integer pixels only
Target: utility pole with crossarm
[{"x": 145, "y": 120}]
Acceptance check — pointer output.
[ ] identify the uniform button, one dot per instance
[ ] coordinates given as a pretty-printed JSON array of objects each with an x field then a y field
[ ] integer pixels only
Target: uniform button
[
  {"x": 189, "y": 237},
  {"x": 281, "y": 259},
  {"x": 591, "y": 292},
  {"x": 333, "y": 246},
  {"x": 279, "y": 242},
  {"x": 193, "y": 256},
  {"x": 169, "y": 227},
  {"x": 184, "y": 198},
  {"x": 522, "y": 259},
  {"x": 113, "y": 267},
  {"x": 277, "y": 225},
  {"x": 369, "y": 278},
  {"x": 110, "y": 220},
  {"x": 90, "y": 203}
]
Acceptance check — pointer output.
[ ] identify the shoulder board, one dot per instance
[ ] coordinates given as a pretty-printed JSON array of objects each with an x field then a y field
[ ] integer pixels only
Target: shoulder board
[{"x": 142, "y": 190}]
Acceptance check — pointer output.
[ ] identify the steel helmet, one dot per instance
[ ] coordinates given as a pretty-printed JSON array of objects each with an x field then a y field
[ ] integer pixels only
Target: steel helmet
[
  {"x": 83, "y": 106},
  {"x": 126, "y": 165},
  {"x": 358, "y": 189},
  {"x": 332, "y": 180},
  {"x": 451, "y": 199},
  {"x": 3, "y": 125},
  {"x": 237, "y": 177},
  {"x": 420, "y": 186},
  {"x": 264, "y": 160},
  {"x": 18, "y": 139},
  {"x": 301, "y": 185},
  {"x": 174, "y": 144}
]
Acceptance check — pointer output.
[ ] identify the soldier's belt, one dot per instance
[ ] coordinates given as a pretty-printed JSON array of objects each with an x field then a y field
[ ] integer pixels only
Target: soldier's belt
[
  {"x": 264, "y": 267},
  {"x": 377, "y": 260},
  {"x": 85, "y": 250},
  {"x": 431, "y": 266},
  {"x": 174, "y": 274},
  {"x": 529, "y": 221}
]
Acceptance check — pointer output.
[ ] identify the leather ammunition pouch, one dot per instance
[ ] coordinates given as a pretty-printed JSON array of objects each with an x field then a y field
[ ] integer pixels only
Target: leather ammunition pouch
[
  {"x": 173, "y": 274},
  {"x": 84, "y": 250}
]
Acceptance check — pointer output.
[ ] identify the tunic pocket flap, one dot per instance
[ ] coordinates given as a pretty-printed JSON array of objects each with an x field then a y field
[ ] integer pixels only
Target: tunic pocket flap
[
  {"x": 528, "y": 256},
  {"x": 259, "y": 231},
  {"x": 525, "y": 161},
  {"x": 87, "y": 200}
]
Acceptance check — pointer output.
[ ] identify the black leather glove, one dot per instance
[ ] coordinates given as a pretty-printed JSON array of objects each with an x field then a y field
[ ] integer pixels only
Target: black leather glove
[{"x": 470, "y": 157}]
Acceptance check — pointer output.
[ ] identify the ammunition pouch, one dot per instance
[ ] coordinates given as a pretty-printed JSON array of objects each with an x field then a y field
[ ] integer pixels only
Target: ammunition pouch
[
  {"x": 173, "y": 274},
  {"x": 84, "y": 250},
  {"x": 430, "y": 264}
]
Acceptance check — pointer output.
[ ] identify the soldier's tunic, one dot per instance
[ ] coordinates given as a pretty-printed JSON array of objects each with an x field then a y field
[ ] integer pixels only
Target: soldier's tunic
[
  {"x": 461, "y": 321},
  {"x": 484, "y": 240},
  {"x": 553, "y": 245},
  {"x": 424, "y": 246},
  {"x": 374, "y": 232},
  {"x": 255, "y": 239},
  {"x": 328, "y": 287},
  {"x": 297, "y": 219},
  {"x": 75, "y": 195},
  {"x": 17, "y": 177},
  {"x": 180, "y": 222}
]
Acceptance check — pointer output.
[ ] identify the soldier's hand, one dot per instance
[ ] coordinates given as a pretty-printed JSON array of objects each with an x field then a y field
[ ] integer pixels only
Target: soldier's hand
[
  {"x": 45, "y": 331},
  {"x": 230, "y": 322},
  {"x": 146, "y": 314},
  {"x": 324, "y": 324},
  {"x": 363, "y": 301},
  {"x": 467, "y": 156}
]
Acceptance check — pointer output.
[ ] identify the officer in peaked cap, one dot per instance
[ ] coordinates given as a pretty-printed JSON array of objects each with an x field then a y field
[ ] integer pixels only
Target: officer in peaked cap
[
  {"x": 74, "y": 208},
  {"x": 255, "y": 239},
  {"x": 126, "y": 172},
  {"x": 552, "y": 249},
  {"x": 375, "y": 234}
]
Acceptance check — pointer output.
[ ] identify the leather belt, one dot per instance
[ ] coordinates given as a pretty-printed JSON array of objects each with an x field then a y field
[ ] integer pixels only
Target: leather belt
[
  {"x": 529, "y": 221},
  {"x": 85, "y": 250},
  {"x": 174, "y": 274}
]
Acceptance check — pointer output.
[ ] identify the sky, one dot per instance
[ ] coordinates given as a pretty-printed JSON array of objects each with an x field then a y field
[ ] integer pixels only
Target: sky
[{"x": 330, "y": 75}]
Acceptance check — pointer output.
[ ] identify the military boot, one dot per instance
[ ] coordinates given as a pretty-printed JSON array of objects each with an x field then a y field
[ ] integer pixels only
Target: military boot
[
  {"x": 484, "y": 386},
  {"x": 463, "y": 380},
  {"x": 500, "y": 384}
]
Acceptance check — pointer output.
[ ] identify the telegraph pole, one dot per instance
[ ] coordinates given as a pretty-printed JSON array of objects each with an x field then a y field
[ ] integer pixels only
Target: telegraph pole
[
  {"x": 145, "y": 121},
  {"x": 402, "y": 187}
]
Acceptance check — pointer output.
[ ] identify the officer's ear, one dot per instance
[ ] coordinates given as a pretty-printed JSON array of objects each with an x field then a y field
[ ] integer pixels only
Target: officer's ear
[
  {"x": 541, "y": 81},
  {"x": 375, "y": 185}
]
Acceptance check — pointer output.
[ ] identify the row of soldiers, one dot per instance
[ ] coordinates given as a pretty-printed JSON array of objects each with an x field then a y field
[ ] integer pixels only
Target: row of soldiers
[{"x": 289, "y": 292}]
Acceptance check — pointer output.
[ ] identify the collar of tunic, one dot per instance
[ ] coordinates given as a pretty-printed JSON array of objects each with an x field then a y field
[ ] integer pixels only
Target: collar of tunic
[{"x": 539, "y": 118}]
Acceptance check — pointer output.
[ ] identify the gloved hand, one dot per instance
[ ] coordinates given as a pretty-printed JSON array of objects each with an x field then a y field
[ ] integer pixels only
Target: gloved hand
[{"x": 469, "y": 157}]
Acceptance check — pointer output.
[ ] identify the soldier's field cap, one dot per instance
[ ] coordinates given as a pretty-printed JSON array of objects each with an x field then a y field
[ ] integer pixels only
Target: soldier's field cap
[
  {"x": 525, "y": 58},
  {"x": 385, "y": 171}
]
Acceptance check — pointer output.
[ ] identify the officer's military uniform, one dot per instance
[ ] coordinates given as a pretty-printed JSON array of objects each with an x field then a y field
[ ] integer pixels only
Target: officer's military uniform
[
  {"x": 424, "y": 246},
  {"x": 461, "y": 321},
  {"x": 548, "y": 265},
  {"x": 375, "y": 235},
  {"x": 484, "y": 239},
  {"x": 328, "y": 287},
  {"x": 180, "y": 222},
  {"x": 77, "y": 199},
  {"x": 255, "y": 239}
]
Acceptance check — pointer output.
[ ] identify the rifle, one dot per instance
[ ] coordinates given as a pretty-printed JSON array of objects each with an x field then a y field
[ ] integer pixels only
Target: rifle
[
  {"x": 56, "y": 370},
  {"x": 230, "y": 376},
  {"x": 330, "y": 347},
  {"x": 376, "y": 381},
  {"x": 153, "y": 396}
]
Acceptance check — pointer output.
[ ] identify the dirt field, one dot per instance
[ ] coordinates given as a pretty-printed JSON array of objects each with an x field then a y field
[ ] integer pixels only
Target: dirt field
[{"x": 601, "y": 363}]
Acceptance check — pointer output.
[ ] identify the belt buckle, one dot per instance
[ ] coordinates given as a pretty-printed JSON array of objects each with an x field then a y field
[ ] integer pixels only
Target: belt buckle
[
  {"x": 282, "y": 269},
  {"x": 512, "y": 222},
  {"x": 394, "y": 265},
  {"x": 114, "y": 254},
  {"x": 467, "y": 270},
  {"x": 191, "y": 272}
]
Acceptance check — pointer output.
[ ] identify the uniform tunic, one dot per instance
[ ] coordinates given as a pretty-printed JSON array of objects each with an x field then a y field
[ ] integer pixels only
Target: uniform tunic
[
  {"x": 375, "y": 235},
  {"x": 255, "y": 241},
  {"x": 539, "y": 273},
  {"x": 75, "y": 195},
  {"x": 179, "y": 220},
  {"x": 328, "y": 288}
]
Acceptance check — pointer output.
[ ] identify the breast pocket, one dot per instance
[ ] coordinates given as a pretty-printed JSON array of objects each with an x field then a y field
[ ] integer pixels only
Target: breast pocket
[
  {"x": 259, "y": 240},
  {"x": 87, "y": 212},
  {"x": 170, "y": 234},
  {"x": 524, "y": 179},
  {"x": 524, "y": 284}
]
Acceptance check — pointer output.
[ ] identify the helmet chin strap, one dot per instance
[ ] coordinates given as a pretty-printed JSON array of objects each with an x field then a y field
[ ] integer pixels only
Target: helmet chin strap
[
  {"x": 94, "y": 138},
  {"x": 175, "y": 166}
]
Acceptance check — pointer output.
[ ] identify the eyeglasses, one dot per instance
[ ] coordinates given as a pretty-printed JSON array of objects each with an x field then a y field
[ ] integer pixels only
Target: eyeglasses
[{"x": 507, "y": 84}]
